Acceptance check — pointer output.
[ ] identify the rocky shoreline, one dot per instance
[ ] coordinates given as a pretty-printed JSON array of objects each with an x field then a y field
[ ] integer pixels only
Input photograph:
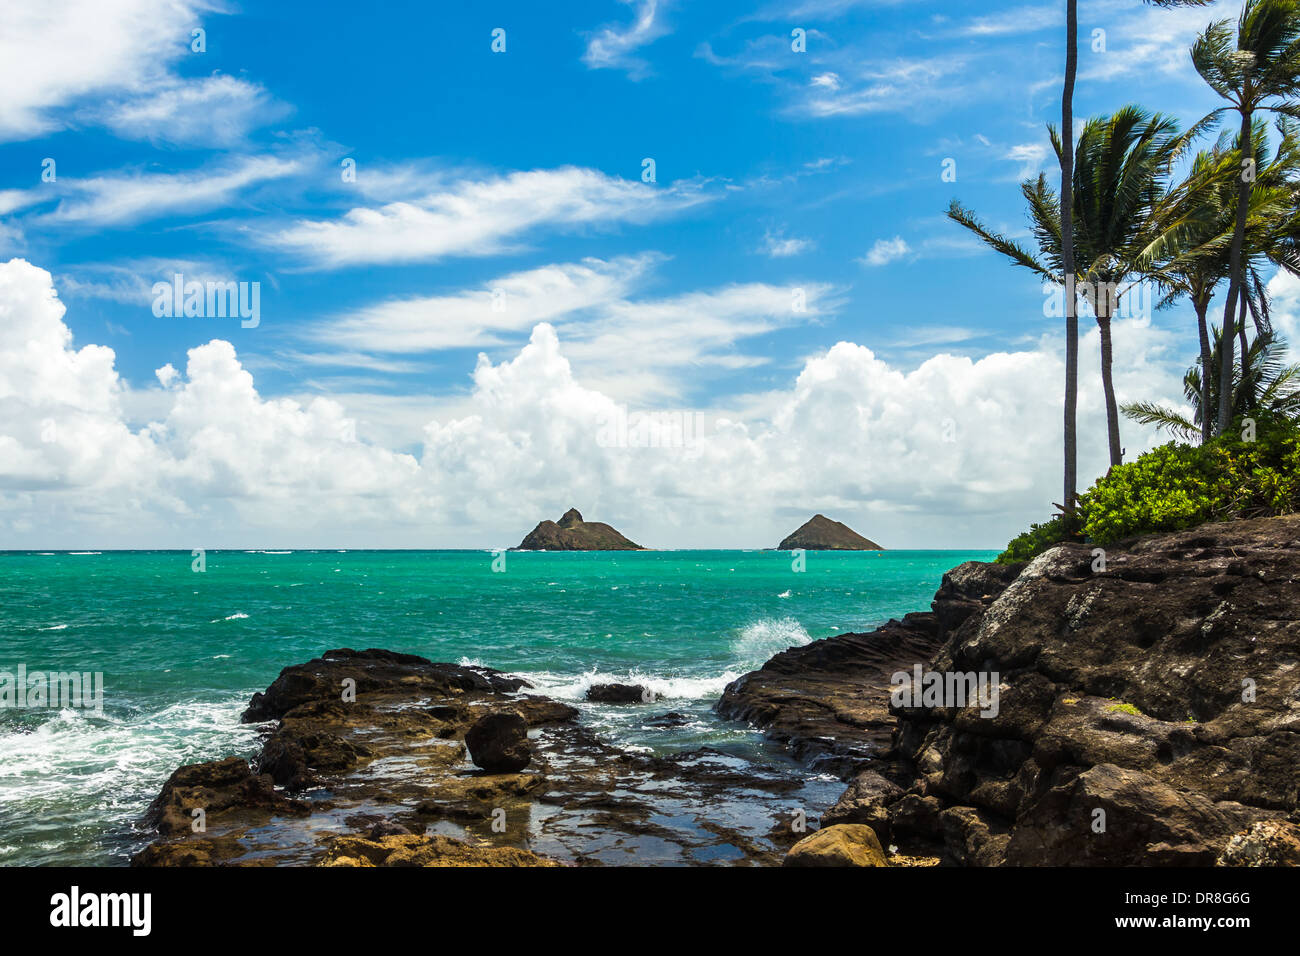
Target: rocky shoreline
[
  {"x": 1147, "y": 712},
  {"x": 373, "y": 758}
]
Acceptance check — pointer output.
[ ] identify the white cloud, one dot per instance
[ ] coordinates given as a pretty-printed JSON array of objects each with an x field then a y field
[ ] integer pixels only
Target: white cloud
[
  {"x": 214, "y": 111},
  {"x": 957, "y": 451},
  {"x": 482, "y": 217},
  {"x": 1030, "y": 156},
  {"x": 890, "y": 87},
  {"x": 886, "y": 251},
  {"x": 611, "y": 47},
  {"x": 780, "y": 247},
  {"x": 636, "y": 347},
  {"x": 118, "y": 199},
  {"x": 113, "y": 63}
]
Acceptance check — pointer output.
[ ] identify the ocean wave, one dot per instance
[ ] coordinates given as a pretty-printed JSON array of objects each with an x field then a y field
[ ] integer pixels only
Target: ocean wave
[
  {"x": 570, "y": 687},
  {"x": 763, "y": 638},
  {"x": 750, "y": 649},
  {"x": 237, "y": 616}
]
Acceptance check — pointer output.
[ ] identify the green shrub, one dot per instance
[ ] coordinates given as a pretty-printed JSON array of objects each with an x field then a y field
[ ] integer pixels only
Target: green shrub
[
  {"x": 1034, "y": 542},
  {"x": 1178, "y": 486}
]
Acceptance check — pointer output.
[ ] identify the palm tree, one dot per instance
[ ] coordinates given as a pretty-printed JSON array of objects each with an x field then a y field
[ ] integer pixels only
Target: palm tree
[
  {"x": 1067, "y": 244},
  {"x": 1119, "y": 220},
  {"x": 1263, "y": 384},
  {"x": 1206, "y": 207},
  {"x": 1258, "y": 70}
]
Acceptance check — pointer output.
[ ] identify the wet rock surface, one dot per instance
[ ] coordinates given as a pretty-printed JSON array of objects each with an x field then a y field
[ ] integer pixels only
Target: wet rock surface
[
  {"x": 365, "y": 760},
  {"x": 620, "y": 694},
  {"x": 829, "y": 700}
]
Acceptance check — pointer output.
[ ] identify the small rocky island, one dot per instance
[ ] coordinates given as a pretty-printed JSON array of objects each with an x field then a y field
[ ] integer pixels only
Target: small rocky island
[
  {"x": 571, "y": 533},
  {"x": 820, "y": 533}
]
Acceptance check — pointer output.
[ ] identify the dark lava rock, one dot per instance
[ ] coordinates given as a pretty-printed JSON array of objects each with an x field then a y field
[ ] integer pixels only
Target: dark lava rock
[
  {"x": 373, "y": 670},
  {"x": 671, "y": 719},
  {"x": 1149, "y": 713},
  {"x": 829, "y": 700},
  {"x": 498, "y": 742},
  {"x": 214, "y": 788},
  {"x": 620, "y": 694},
  {"x": 820, "y": 533},
  {"x": 571, "y": 533}
]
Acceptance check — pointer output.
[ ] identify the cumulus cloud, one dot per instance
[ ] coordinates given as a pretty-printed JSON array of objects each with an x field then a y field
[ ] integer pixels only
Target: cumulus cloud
[
  {"x": 956, "y": 451},
  {"x": 481, "y": 217}
]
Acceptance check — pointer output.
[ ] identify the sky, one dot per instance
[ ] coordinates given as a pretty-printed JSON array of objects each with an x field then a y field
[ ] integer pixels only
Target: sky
[{"x": 473, "y": 239}]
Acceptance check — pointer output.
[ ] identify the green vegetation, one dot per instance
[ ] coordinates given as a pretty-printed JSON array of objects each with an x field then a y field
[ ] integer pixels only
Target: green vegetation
[{"x": 1251, "y": 471}]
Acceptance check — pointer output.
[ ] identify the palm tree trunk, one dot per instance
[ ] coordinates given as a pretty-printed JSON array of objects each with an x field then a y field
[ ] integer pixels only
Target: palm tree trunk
[
  {"x": 1236, "y": 281},
  {"x": 1207, "y": 417},
  {"x": 1067, "y": 256},
  {"x": 1241, "y": 326},
  {"x": 1108, "y": 385}
]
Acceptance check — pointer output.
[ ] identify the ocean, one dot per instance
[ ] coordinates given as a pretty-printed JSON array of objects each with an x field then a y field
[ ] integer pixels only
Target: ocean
[{"x": 182, "y": 650}]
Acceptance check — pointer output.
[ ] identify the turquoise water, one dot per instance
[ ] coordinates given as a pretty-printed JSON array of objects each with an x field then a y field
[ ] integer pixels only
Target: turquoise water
[{"x": 182, "y": 651}]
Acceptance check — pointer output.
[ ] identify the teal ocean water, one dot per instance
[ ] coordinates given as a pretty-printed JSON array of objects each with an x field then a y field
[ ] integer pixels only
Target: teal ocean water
[{"x": 182, "y": 651}]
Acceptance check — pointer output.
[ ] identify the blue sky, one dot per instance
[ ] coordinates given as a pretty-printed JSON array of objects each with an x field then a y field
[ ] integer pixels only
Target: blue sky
[{"x": 519, "y": 174}]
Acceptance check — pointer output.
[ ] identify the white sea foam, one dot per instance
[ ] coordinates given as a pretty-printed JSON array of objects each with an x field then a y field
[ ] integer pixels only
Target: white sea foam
[
  {"x": 763, "y": 638},
  {"x": 569, "y": 687},
  {"x": 237, "y": 616},
  {"x": 750, "y": 649}
]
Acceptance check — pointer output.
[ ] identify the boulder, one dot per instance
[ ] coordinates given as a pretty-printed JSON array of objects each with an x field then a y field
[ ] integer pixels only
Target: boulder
[
  {"x": 865, "y": 801},
  {"x": 620, "y": 694},
  {"x": 498, "y": 742},
  {"x": 846, "y": 844}
]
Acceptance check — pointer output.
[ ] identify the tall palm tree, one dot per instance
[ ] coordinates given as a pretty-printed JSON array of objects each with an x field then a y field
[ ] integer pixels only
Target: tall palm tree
[
  {"x": 1263, "y": 383},
  {"x": 1067, "y": 245},
  {"x": 1257, "y": 70},
  {"x": 1119, "y": 221},
  {"x": 1206, "y": 207}
]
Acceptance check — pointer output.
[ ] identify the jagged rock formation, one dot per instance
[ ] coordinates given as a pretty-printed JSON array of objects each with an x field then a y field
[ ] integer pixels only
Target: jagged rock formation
[
  {"x": 829, "y": 700},
  {"x": 1148, "y": 711},
  {"x": 571, "y": 533},
  {"x": 820, "y": 533}
]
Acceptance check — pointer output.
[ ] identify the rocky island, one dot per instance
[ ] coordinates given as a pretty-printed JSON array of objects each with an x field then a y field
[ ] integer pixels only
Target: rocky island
[
  {"x": 571, "y": 533},
  {"x": 820, "y": 533}
]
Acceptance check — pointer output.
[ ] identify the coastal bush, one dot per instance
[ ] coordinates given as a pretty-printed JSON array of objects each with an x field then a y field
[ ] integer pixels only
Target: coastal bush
[{"x": 1251, "y": 471}]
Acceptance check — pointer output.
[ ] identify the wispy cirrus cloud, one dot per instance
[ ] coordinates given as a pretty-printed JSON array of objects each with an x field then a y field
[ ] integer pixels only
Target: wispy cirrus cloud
[
  {"x": 614, "y": 46},
  {"x": 481, "y": 217},
  {"x": 122, "y": 198}
]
